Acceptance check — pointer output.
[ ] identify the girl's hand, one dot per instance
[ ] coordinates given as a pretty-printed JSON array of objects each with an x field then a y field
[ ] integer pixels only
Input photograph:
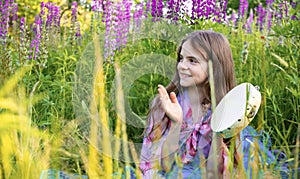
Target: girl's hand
[{"x": 170, "y": 104}]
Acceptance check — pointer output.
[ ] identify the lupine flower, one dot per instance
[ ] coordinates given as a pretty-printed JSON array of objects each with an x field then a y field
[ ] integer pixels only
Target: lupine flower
[
  {"x": 42, "y": 8},
  {"x": 157, "y": 9},
  {"x": 269, "y": 18},
  {"x": 148, "y": 4},
  {"x": 108, "y": 22},
  {"x": 170, "y": 7},
  {"x": 233, "y": 18},
  {"x": 261, "y": 13},
  {"x": 4, "y": 20},
  {"x": 269, "y": 2},
  {"x": 14, "y": 10},
  {"x": 127, "y": 21},
  {"x": 249, "y": 22},
  {"x": 243, "y": 8},
  {"x": 195, "y": 9},
  {"x": 97, "y": 5},
  {"x": 22, "y": 29},
  {"x": 138, "y": 15},
  {"x": 56, "y": 16},
  {"x": 74, "y": 11},
  {"x": 50, "y": 15},
  {"x": 36, "y": 40}
]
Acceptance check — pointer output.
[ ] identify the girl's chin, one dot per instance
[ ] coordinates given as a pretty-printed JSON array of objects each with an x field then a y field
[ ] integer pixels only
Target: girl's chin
[{"x": 186, "y": 84}]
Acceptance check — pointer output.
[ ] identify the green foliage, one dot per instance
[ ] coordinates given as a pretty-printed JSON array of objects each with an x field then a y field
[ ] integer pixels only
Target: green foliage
[{"x": 269, "y": 60}]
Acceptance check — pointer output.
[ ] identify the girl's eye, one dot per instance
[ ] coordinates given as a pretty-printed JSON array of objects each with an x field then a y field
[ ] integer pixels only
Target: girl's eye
[
  {"x": 192, "y": 60},
  {"x": 180, "y": 58}
]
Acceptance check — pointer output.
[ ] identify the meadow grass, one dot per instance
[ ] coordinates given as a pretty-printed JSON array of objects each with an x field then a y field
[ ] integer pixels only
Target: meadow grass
[{"x": 41, "y": 130}]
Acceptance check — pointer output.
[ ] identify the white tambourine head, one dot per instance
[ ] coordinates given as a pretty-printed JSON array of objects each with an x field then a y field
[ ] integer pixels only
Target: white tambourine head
[{"x": 236, "y": 110}]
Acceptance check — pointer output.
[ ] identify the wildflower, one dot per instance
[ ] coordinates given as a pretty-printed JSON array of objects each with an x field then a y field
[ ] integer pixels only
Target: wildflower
[
  {"x": 56, "y": 16},
  {"x": 157, "y": 9},
  {"x": 14, "y": 10},
  {"x": 261, "y": 13},
  {"x": 74, "y": 11},
  {"x": 148, "y": 4},
  {"x": 269, "y": 2},
  {"x": 4, "y": 20},
  {"x": 97, "y": 5},
  {"x": 108, "y": 22},
  {"x": 243, "y": 8},
  {"x": 233, "y": 18},
  {"x": 42, "y": 8},
  {"x": 137, "y": 16},
  {"x": 22, "y": 29},
  {"x": 36, "y": 40},
  {"x": 249, "y": 22},
  {"x": 170, "y": 6},
  {"x": 269, "y": 18}
]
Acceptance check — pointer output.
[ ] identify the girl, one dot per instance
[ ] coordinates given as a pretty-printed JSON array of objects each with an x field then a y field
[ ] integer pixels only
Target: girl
[{"x": 178, "y": 137}]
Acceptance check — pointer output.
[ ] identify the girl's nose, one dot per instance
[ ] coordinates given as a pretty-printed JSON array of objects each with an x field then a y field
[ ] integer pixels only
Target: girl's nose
[{"x": 182, "y": 65}]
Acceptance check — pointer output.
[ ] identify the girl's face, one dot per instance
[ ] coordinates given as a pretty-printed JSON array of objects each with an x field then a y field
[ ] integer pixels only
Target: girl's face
[{"x": 192, "y": 67}]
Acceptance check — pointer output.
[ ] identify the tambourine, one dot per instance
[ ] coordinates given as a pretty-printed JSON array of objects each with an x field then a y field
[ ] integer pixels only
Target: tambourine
[{"x": 236, "y": 110}]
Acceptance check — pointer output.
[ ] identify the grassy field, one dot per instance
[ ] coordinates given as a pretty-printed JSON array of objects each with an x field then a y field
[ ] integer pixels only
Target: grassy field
[{"x": 76, "y": 85}]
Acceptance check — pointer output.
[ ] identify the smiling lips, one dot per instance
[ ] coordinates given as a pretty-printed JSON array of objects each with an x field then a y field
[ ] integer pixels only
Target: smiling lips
[{"x": 184, "y": 75}]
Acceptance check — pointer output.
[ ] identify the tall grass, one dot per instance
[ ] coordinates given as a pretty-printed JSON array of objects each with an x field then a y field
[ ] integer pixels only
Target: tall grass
[{"x": 40, "y": 128}]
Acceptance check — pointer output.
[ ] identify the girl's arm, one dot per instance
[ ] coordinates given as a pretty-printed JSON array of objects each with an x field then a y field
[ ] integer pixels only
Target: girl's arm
[
  {"x": 170, "y": 146},
  {"x": 173, "y": 110}
]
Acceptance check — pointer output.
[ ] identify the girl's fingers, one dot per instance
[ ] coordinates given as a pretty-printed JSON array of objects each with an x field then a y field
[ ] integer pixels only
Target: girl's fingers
[
  {"x": 163, "y": 92},
  {"x": 173, "y": 97}
]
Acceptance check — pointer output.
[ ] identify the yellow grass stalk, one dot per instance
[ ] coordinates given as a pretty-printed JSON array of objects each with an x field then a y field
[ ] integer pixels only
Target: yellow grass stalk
[
  {"x": 24, "y": 150},
  {"x": 121, "y": 115},
  {"x": 135, "y": 159},
  {"x": 99, "y": 100}
]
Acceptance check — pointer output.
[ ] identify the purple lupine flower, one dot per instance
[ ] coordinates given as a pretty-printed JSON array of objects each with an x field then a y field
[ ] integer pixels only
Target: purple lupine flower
[
  {"x": 125, "y": 32},
  {"x": 195, "y": 8},
  {"x": 22, "y": 30},
  {"x": 97, "y": 5},
  {"x": 224, "y": 10},
  {"x": 4, "y": 24},
  {"x": 170, "y": 7},
  {"x": 138, "y": 16},
  {"x": 78, "y": 33},
  {"x": 269, "y": 3},
  {"x": 153, "y": 8},
  {"x": 34, "y": 46},
  {"x": 269, "y": 18},
  {"x": 173, "y": 10},
  {"x": 261, "y": 13},
  {"x": 14, "y": 11},
  {"x": 42, "y": 8},
  {"x": 160, "y": 8},
  {"x": 177, "y": 10},
  {"x": 74, "y": 11},
  {"x": 148, "y": 4},
  {"x": 157, "y": 9},
  {"x": 233, "y": 18},
  {"x": 22, "y": 24},
  {"x": 50, "y": 16},
  {"x": 243, "y": 8},
  {"x": 286, "y": 8},
  {"x": 249, "y": 22},
  {"x": 56, "y": 16},
  {"x": 108, "y": 22},
  {"x": 294, "y": 4}
]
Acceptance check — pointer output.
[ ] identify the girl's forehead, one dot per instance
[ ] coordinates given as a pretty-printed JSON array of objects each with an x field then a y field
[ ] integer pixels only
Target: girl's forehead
[{"x": 189, "y": 49}]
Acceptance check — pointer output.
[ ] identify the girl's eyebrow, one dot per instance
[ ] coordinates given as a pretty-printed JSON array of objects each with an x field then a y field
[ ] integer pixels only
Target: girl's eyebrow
[{"x": 188, "y": 56}]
